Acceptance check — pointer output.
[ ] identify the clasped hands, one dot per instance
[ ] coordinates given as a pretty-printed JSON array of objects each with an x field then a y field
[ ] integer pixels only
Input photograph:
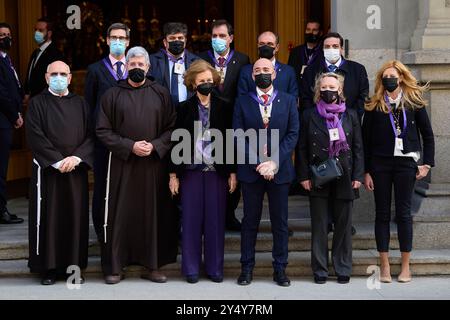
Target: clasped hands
[
  {"x": 143, "y": 149},
  {"x": 267, "y": 170}
]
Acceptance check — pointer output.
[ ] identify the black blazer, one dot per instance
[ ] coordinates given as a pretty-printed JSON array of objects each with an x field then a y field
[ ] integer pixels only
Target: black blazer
[
  {"x": 98, "y": 81},
  {"x": 188, "y": 114},
  {"x": 356, "y": 85},
  {"x": 313, "y": 148},
  {"x": 11, "y": 96},
  {"x": 379, "y": 138},
  {"x": 298, "y": 58},
  {"x": 232, "y": 77},
  {"x": 36, "y": 83}
]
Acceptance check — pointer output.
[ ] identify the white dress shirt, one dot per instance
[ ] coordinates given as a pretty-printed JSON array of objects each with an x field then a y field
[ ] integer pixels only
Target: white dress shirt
[
  {"x": 114, "y": 65},
  {"x": 182, "y": 90},
  {"x": 217, "y": 56}
]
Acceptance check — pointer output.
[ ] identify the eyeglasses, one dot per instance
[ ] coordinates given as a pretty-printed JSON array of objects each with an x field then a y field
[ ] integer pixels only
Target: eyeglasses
[
  {"x": 62, "y": 74},
  {"x": 121, "y": 39}
]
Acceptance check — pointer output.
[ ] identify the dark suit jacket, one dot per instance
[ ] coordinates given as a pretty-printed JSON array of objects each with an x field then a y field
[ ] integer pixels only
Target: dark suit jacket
[
  {"x": 298, "y": 58},
  {"x": 313, "y": 149},
  {"x": 159, "y": 69},
  {"x": 239, "y": 60},
  {"x": 188, "y": 114},
  {"x": 379, "y": 137},
  {"x": 11, "y": 96},
  {"x": 284, "y": 118},
  {"x": 36, "y": 83},
  {"x": 356, "y": 85},
  {"x": 285, "y": 80},
  {"x": 98, "y": 81}
]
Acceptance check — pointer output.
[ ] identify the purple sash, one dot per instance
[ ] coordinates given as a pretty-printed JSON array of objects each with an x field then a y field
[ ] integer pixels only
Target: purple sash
[
  {"x": 227, "y": 61},
  {"x": 107, "y": 63}
]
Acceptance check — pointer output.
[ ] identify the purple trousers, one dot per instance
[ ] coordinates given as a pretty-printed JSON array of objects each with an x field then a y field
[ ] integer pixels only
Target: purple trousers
[{"x": 203, "y": 202}]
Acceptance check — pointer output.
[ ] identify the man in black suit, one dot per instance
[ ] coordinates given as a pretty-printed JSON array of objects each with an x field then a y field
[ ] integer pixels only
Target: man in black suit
[
  {"x": 306, "y": 54},
  {"x": 168, "y": 65},
  {"x": 356, "y": 85},
  {"x": 100, "y": 77},
  {"x": 11, "y": 96},
  {"x": 44, "y": 55},
  {"x": 228, "y": 63}
]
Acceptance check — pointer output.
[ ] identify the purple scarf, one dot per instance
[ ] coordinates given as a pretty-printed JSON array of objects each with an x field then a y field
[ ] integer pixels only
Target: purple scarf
[{"x": 330, "y": 112}]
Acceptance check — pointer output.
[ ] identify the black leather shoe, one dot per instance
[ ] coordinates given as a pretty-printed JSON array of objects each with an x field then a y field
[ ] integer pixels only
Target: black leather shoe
[
  {"x": 245, "y": 278},
  {"x": 8, "y": 218},
  {"x": 281, "y": 278},
  {"x": 49, "y": 278},
  {"x": 320, "y": 280},
  {"x": 343, "y": 279},
  {"x": 290, "y": 232},
  {"x": 192, "y": 278},
  {"x": 353, "y": 231},
  {"x": 216, "y": 279},
  {"x": 233, "y": 225}
]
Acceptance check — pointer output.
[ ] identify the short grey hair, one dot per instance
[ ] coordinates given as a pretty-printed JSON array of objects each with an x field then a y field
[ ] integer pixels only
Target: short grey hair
[{"x": 138, "y": 52}]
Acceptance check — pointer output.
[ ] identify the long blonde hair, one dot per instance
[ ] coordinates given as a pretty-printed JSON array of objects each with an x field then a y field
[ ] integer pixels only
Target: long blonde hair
[{"x": 412, "y": 91}]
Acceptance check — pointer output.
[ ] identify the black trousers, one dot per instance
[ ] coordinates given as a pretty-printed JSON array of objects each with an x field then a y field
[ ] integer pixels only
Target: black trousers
[
  {"x": 400, "y": 173},
  {"x": 341, "y": 251},
  {"x": 5, "y": 146},
  {"x": 233, "y": 200}
]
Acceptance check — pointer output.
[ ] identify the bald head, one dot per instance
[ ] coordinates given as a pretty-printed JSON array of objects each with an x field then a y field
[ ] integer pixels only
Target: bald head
[
  {"x": 263, "y": 66},
  {"x": 58, "y": 66},
  {"x": 268, "y": 37}
]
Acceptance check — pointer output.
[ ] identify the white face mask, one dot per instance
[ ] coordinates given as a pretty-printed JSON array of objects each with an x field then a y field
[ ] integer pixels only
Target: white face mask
[{"x": 332, "y": 55}]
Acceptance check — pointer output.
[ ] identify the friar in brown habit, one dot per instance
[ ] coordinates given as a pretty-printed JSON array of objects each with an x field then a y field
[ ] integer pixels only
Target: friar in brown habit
[
  {"x": 135, "y": 123},
  {"x": 60, "y": 136}
]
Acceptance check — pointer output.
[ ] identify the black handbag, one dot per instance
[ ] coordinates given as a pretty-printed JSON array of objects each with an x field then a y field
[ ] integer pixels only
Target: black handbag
[{"x": 325, "y": 172}]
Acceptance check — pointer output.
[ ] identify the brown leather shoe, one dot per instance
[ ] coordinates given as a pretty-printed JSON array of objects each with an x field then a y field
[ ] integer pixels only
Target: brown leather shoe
[
  {"x": 114, "y": 279},
  {"x": 155, "y": 276}
]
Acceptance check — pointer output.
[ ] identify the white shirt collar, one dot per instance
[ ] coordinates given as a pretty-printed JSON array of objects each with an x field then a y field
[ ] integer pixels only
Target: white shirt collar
[
  {"x": 3, "y": 54},
  {"x": 57, "y": 95},
  {"x": 260, "y": 92},
  {"x": 217, "y": 56},
  {"x": 274, "y": 62},
  {"x": 396, "y": 101},
  {"x": 45, "y": 46},
  {"x": 337, "y": 64},
  {"x": 114, "y": 60}
]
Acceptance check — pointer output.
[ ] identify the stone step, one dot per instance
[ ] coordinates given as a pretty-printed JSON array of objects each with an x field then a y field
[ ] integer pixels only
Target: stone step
[
  {"x": 423, "y": 263},
  {"x": 17, "y": 248}
]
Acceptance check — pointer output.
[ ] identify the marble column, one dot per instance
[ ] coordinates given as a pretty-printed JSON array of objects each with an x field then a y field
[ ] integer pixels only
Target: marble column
[{"x": 429, "y": 60}]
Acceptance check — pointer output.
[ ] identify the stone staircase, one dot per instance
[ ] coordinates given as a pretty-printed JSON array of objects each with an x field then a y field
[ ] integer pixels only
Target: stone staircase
[{"x": 428, "y": 260}]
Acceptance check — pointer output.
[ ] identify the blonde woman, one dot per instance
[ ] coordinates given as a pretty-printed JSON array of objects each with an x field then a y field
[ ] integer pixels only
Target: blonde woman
[
  {"x": 331, "y": 130},
  {"x": 394, "y": 120}
]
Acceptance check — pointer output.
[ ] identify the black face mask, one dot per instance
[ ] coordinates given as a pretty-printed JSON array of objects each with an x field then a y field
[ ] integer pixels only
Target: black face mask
[
  {"x": 205, "y": 88},
  {"x": 329, "y": 96},
  {"x": 390, "y": 84},
  {"x": 266, "y": 52},
  {"x": 176, "y": 47},
  {"x": 312, "y": 38},
  {"x": 136, "y": 75},
  {"x": 5, "y": 43},
  {"x": 263, "y": 80}
]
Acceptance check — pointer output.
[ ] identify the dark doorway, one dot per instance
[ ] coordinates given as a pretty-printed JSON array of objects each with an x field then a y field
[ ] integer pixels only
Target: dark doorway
[{"x": 145, "y": 18}]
